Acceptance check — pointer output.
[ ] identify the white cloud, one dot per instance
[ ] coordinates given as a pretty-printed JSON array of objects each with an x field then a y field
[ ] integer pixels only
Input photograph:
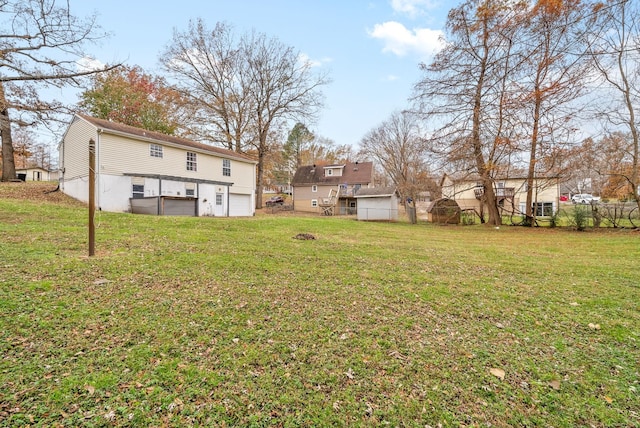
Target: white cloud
[
  {"x": 89, "y": 64},
  {"x": 305, "y": 59},
  {"x": 401, "y": 41},
  {"x": 413, "y": 8}
]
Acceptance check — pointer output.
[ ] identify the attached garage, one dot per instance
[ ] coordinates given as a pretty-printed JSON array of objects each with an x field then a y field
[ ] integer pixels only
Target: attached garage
[{"x": 240, "y": 205}]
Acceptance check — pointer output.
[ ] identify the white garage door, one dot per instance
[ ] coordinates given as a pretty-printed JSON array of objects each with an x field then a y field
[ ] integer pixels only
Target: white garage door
[{"x": 239, "y": 205}]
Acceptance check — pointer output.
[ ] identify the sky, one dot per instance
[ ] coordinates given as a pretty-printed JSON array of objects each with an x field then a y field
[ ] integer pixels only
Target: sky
[{"x": 371, "y": 49}]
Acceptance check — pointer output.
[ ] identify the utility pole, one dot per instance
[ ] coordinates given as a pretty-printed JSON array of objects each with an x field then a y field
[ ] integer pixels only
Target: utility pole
[{"x": 92, "y": 199}]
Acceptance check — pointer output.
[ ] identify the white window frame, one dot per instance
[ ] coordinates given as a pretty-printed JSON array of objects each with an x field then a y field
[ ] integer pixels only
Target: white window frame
[
  {"x": 219, "y": 199},
  {"x": 226, "y": 167},
  {"x": 314, "y": 188},
  {"x": 192, "y": 161},
  {"x": 314, "y": 203},
  {"x": 155, "y": 150},
  {"x": 329, "y": 172}
]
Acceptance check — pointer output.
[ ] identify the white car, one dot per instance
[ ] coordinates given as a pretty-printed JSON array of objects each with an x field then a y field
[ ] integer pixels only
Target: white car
[{"x": 584, "y": 198}]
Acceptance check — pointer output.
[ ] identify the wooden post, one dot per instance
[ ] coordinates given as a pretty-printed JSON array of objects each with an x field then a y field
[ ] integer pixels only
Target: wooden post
[{"x": 92, "y": 199}]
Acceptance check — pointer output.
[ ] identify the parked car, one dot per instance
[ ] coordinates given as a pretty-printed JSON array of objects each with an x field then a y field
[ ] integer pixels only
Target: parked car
[
  {"x": 274, "y": 200},
  {"x": 584, "y": 198}
]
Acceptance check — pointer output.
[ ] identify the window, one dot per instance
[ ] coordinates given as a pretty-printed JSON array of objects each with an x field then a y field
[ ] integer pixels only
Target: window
[
  {"x": 314, "y": 203},
  {"x": 226, "y": 167},
  {"x": 329, "y": 172},
  {"x": 219, "y": 199},
  {"x": 314, "y": 188},
  {"x": 155, "y": 150},
  {"x": 138, "y": 191},
  {"x": 192, "y": 161},
  {"x": 190, "y": 189},
  {"x": 543, "y": 209}
]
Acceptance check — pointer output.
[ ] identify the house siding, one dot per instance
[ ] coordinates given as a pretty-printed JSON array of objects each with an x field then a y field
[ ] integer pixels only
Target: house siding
[
  {"x": 545, "y": 191},
  {"x": 122, "y": 160},
  {"x": 304, "y": 195}
]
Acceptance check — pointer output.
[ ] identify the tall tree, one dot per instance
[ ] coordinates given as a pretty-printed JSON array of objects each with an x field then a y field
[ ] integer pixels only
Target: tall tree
[
  {"x": 41, "y": 42},
  {"x": 616, "y": 52},
  {"x": 551, "y": 78},
  {"x": 243, "y": 91},
  {"x": 397, "y": 147},
  {"x": 464, "y": 91},
  {"x": 281, "y": 87},
  {"x": 129, "y": 95},
  {"x": 208, "y": 68},
  {"x": 298, "y": 140}
]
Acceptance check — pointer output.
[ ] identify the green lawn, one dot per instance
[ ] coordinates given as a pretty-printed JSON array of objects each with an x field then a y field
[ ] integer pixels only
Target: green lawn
[{"x": 231, "y": 322}]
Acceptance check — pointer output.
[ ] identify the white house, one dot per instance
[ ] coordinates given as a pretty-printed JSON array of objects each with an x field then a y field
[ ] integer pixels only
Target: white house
[{"x": 136, "y": 167}]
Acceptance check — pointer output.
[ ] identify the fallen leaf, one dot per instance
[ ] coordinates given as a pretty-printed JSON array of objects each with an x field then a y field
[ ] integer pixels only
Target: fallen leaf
[
  {"x": 593, "y": 326},
  {"x": 499, "y": 373},
  {"x": 90, "y": 389},
  {"x": 608, "y": 399},
  {"x": 349, "y": 373},
  {"x": 574, "y": 303},
  {"x": 555, "y": 384}
]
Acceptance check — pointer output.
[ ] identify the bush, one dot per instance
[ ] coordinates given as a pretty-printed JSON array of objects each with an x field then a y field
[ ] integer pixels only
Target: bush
[{"x": 579, "y": 218}]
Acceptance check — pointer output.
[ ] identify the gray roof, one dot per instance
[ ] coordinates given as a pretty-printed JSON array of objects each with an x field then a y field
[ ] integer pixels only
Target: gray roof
[
  {"x": 374, "y": 192},
  {"x": 139, "y": 133}
]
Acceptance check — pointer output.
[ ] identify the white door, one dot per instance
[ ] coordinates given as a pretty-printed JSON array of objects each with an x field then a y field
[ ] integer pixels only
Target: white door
[
  {"x": 218, "y": 209},
  {"x": 239, "y": 205}
]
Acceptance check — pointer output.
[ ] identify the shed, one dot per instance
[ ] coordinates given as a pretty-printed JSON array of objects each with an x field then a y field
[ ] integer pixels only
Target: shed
[
  {"x": 377, "y": 204},
  {"x": 444, "y": 211}
]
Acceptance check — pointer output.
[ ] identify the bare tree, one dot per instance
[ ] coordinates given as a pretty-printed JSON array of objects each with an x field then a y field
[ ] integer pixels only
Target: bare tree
[
  {"x": 551, "y": 78},
  {"x": 396, "y": 146},
  {"x": 282, "y": 87},
  {"x": 41, "y": 44},
  {"x": 463, "y": 92},
  {"x": 616, "y": 52},
  {"x": 209, "y": 69},
  {"x": 247, "y": 89}
]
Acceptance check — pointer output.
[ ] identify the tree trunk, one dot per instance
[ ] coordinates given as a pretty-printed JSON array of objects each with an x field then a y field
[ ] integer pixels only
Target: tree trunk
[
  {"x": 530, "y": 215},
  {"x": 487, "y": 181},
  {"x": 8, "y": 162}
]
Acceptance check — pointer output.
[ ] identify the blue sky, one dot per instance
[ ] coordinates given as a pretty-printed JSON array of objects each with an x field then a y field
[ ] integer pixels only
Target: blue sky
[{"x": 371, "y": 49}]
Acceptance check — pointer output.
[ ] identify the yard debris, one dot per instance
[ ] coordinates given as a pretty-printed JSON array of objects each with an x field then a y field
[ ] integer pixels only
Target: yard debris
[
  {"x": 499, "y": 373},
  {"x": 305, "y": 236},
  {"x": 593, "y": 326},
  {"x": 555, "y": 384}
]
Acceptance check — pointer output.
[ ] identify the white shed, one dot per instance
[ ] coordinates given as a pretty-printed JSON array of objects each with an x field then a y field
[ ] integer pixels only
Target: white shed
[{"x": 377, "y": 204}]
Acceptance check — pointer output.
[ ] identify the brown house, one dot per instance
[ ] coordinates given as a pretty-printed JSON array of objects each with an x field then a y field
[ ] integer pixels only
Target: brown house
[{"x": 330, "y": 189}]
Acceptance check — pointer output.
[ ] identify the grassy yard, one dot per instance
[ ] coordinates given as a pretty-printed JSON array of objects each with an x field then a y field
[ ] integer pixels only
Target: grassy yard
[{"x": 232, "y": 322}]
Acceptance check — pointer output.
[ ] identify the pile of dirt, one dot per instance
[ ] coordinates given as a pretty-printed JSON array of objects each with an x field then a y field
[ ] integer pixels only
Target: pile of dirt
[{"x": 36, "y": 191}]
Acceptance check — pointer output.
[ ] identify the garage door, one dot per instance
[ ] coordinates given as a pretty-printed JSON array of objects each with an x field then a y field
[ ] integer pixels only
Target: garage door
[
  {"x": 179, "y": 206},
  {"x": 240, "y": 205}
]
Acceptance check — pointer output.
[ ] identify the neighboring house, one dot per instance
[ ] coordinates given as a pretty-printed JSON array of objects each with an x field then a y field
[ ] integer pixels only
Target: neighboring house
[
  {"x": 511, "y": 194},
  {"x": 377, "y": 204},
  {"x": 35, "y": 174},
  {"x": 330, "y": 189},
  {"x": 133, "y": 163}
]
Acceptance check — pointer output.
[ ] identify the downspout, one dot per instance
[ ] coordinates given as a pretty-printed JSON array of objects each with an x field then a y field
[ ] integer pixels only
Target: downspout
[
  {"x": 197, "y": 199},
  {"x": 160, "y": 212},
  {"x": 97, "y": 171},
  {"x": 228, "y": 201}
]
